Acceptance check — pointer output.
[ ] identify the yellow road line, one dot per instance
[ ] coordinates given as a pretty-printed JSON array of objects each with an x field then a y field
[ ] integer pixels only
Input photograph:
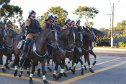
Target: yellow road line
[
  {"x": 89, "y": 74},
  {"x": 24, "y": 77},
  {"x": 97, "y": 64}
]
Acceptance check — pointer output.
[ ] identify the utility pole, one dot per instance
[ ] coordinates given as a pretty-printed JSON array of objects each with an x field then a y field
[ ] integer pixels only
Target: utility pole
[{"x": 112, "y": 25}]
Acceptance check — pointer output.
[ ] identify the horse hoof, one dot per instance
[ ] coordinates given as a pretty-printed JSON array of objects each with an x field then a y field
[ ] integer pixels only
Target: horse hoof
[
  {"x": 65, "y": 75},
  {"x": 31, "y": 82},
  {"x": 59, "y": 76},
  {"x": 54, "y": 76},
  {"x": 49, "y": 69},
  {"x": 91, "y": 70},
  {"x": 73, "y": 71},
  {"x": 28, "y": 73},
  {"x": 4, "y": 71},
  {"x": 85, "y": 68},
  {"x": 69, "y": 68},
  {"x": 94, "y": 63},
  {"x": 20, "y": 75},
  {"x": 15, "y": 73},
  {"x": 7, "y": 67},
  {"x": 82, "y": 73},
  {"x": 38, "y": 73},
  {"x": 45, "y": 82}
]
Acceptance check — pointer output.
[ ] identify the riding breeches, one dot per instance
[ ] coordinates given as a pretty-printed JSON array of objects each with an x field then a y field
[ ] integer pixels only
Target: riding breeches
[{"x": 31, "y": 36}]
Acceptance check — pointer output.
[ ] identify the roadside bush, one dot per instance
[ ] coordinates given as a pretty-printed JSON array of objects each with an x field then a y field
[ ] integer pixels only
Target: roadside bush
[{"x": 122, "y": 44}]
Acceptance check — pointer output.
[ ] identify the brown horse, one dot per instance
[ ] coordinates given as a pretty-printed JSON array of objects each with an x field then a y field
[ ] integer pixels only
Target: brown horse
[
  {"x": 86, "y": 34},
  {"x": 66, "y": 40},
  {"x": 7, "y": 51},
  {"x": 88, "y": 49},
  {"x": 38, "y": 51},
  {"x": 1, "y": 49}
]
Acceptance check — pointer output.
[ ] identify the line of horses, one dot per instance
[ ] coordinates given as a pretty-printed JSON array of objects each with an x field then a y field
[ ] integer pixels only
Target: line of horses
[{"x": 70, "y": 43}]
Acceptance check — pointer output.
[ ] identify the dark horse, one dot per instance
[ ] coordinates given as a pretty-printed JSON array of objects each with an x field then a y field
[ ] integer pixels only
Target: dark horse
[
  {"x": 39, "y": 51},
  {"x": 87, "y": 48},
  {"x": 1, "y": 49},
  {"x": 78, "y": 52},
  {"x": 66, "y": 40},
  {"x": 7, "y": 50}
]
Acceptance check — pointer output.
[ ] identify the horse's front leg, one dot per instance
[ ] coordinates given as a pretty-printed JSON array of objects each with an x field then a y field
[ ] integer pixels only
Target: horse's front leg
[
  {"x": 8, "y": 61},
  {"x": 16, "y": 62},
  {"x": 1, "y": 62},
  {"x": 82, "y": 66},
  {"x": 91, "y": 52},
  {"x": 31, "y": 74},
  {"x": 88, "y": 60},
  {"x": 54, "y": 73},
  {"x": 21, "y": 68},
  {"x": 43, "y": 71},
  {"x": 63, "y": 61}
]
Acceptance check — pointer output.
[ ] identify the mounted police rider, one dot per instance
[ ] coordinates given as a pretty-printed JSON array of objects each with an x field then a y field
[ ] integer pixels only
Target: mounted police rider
[
  {"x": 78, "y": 23},
  {"x": 72, "y": 24},
  {"x": 67, "y": 23},
  {"x": 48, "y": 21},
  {"x": 8, "y": 24},
  {"x": 55, "y": 21},
  {"x": 32, "y": 30},
  {"x": 22, "y": 29},
  {"x": 3, "y": 30}
]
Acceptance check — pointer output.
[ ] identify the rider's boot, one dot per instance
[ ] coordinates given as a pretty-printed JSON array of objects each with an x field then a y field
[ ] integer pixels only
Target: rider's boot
[{"x": 25, "y": 47}]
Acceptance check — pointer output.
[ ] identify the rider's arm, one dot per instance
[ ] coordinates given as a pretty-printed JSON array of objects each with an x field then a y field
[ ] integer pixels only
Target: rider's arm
[{"x": 44, "y": 26}]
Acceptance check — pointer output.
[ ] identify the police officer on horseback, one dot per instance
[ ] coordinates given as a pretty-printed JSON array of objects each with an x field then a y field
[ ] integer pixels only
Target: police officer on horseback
[
  {"x": 78, "y": 24},
  {"x": 67, "y": 23},
  {"x": 22, "y": 29},
  {"x": 3, "y": 30},
  {"x": 32, "y": 30},
  {"x": 8, "y": 24},
  {"x": 55, "y": 21},
  {"x": 48, "y": 21}
]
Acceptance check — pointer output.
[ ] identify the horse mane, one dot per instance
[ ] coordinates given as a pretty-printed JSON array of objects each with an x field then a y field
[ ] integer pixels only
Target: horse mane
[{"x": 62, "y": 32}]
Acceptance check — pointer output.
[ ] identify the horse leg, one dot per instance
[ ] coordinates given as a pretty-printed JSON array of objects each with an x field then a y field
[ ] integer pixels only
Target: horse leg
[
  {"x": 1, "y": 62},
  {"x": 38, "y": 70},
  {"x": 21, "y": 68},
  {"x": 82, "y": 66},
  {"x": 62, "y": 69},
  {"x": 48, "y": 65},
  {"x": 54, "y": 73},
  {"x": 90, "y": 69},
  {"x": 43, "y": 71},
  {"x": 63, "y": 61},
  {"x": 16, "y": 61},
  {"x": 31, "y": 74},
  {"x": 7, "y": 62},
  {"x": 85, "y": 58},
  {"x": 91, "y": 52}
]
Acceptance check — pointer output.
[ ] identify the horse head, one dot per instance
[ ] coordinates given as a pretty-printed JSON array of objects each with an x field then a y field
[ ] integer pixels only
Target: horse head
[{"x": 11, "y": 33}]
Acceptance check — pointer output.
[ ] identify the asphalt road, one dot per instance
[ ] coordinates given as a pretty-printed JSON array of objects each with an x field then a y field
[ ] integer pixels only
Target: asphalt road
[{"x": 109, "y": 69}]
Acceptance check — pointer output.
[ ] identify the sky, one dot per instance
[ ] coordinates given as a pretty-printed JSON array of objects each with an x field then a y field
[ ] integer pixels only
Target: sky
[{"x": 102, "y": 20}]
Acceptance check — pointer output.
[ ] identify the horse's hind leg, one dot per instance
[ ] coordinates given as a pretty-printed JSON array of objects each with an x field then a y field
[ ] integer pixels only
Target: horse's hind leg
[
  {"x": 88, "y": 60},
  {"x": 43, "y": 71},
  {"x": 91, "y": 52},
  {"x": 38, "y": 70},
  {"x": 7, "y": 62},
  {"x": 82, "y": 66},
  {"x": 1, "y": 62},
  {"x": 48, "y": 65},
  {"x": 85, "y": 58}
]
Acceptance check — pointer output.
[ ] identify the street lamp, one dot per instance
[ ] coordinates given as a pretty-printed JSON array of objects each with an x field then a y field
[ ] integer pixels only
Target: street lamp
[{"x": 112, "y": 10}]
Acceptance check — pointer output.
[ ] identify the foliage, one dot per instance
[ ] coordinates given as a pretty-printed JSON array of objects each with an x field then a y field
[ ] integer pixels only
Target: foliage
[
  {"x": 122, "y": 44},
  {"x": 103, "y": 29},
  {"x": 87, "y": 12},
  {"x": 62, "y": 14}
]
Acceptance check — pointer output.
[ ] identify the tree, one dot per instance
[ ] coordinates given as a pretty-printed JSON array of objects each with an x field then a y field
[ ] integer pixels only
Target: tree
[
  {"x": 87, "y": 12},
  {"x": 121, "y": 25},
  {"x": 62, "y": 14},
  {"x": 10, "y": 11}
]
